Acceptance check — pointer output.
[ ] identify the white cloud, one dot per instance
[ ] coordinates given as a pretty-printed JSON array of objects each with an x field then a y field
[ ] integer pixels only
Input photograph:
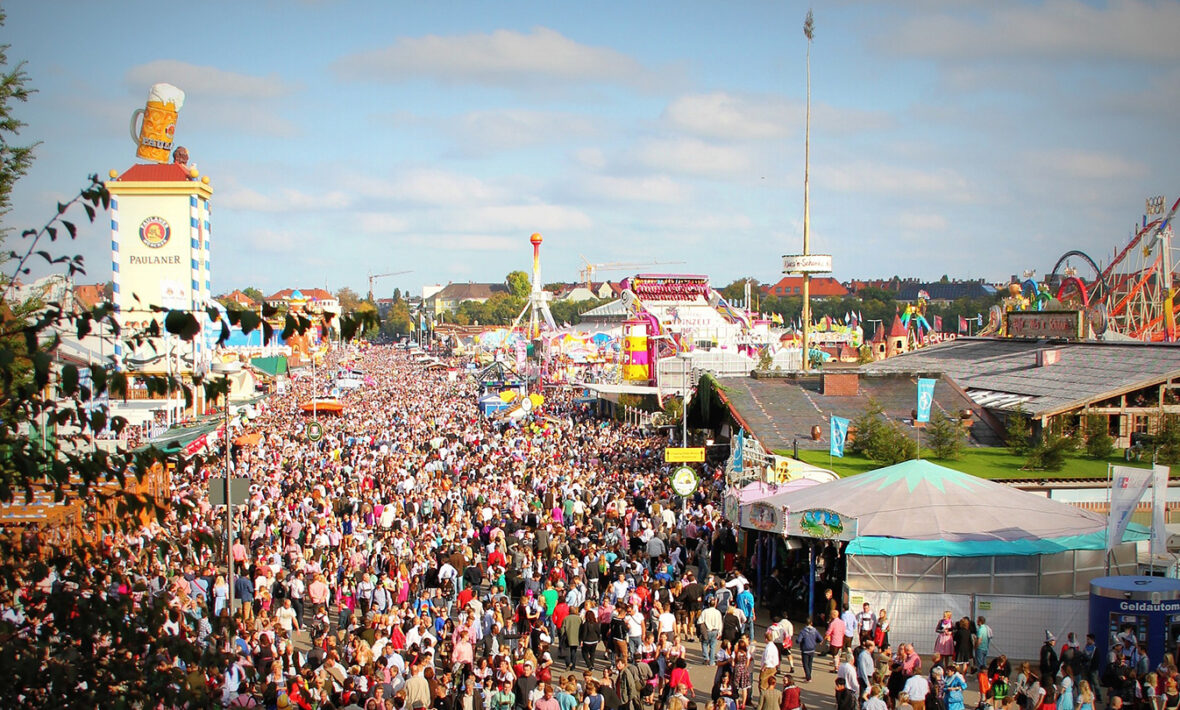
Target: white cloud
[
  {"x": 592, "y": 158},
  {"x": 525, "y": 218},
  {"x": 922, "y": 221},
  {"x": 1088, "y": 165},
  {"x": 484, "y": 131},
  {"x": 271, "y": 241},
  {"x": 284, "y": 200},
  {"x": 712, "y": 222},
  {"x": 381, "y": 222},
  {"x": 425, "y": 187},
  {"x": 879, "y": 178},
  {"x": 501, "y": 58},
  {"x": 654, "y": 188},
  {"x": 735, "y": 117},
  {"x": 1127, "y": 29},
  {"x": 464, "y": 242},
  {"x": 724, "y": 115},
  {"x": 207, "y": 81},
  {"x": 693, "y": 156}
]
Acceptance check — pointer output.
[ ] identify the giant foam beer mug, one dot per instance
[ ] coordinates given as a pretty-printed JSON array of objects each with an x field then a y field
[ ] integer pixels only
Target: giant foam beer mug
[{"x": 154, "y": 134}]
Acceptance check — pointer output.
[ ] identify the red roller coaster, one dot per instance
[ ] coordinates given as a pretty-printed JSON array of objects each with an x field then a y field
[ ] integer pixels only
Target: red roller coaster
[{"x": 1135, "y": 294}]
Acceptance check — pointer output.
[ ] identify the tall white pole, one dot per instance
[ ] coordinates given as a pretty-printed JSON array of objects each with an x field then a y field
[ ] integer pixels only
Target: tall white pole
[{"x": 809, "y": 32}]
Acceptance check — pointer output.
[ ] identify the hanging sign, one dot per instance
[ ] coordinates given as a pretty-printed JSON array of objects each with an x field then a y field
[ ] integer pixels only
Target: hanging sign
[
  {"x": 681, "y": 455},
  {"x": 685, "y": 481},
  {"x": 807, "y": 264},
  {"x": 314, "y": 431},
  {"x": 821, "y": 523},
  {"x": 764, "y": 516}
]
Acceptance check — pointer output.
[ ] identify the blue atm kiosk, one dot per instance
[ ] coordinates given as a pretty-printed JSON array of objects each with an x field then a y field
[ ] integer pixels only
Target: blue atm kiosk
[{"x": 1148, "y": 607}]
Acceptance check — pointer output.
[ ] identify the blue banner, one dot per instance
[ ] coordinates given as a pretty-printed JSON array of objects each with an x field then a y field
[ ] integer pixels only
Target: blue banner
[
  {"x": 839, "y": 435},
  {"x": 925, "y": 398},
  {"x": 737, "y": 451}
]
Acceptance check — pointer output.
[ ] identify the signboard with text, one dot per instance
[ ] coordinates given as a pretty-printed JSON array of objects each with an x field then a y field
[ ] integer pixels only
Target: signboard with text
[
  {"x": 807, "y": 264},
  {"x": 689, "y": 455},
  {"x": 1046, "y": 324}
]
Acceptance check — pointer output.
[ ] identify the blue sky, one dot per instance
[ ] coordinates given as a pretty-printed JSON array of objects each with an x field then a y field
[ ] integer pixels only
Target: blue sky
[{"x": 966, "y": 138}]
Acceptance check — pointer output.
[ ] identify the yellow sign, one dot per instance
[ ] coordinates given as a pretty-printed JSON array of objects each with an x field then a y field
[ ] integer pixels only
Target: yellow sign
[{"x": 695, "y": 455}]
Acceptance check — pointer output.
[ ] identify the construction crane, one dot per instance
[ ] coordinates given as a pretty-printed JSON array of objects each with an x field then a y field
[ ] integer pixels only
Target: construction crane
[
  {"x": 373, "y": 277},
  {"x": 589, "y": 270}
]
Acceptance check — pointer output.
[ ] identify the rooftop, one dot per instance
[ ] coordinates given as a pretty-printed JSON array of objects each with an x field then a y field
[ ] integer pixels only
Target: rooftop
[
  {"x": 780, "y": 411},
  {"x": 1003, "y": 373}
]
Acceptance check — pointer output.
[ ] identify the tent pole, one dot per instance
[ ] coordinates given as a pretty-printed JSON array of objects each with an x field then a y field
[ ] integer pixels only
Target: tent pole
[{"x": 811, "y": 581}]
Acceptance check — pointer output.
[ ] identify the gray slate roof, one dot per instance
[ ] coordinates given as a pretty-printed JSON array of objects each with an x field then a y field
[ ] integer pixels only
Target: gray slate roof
[
  {"x": 1087, "y": 372},
  {"x": 781, "y": 411},
  {"x": 614, "y": 310}
]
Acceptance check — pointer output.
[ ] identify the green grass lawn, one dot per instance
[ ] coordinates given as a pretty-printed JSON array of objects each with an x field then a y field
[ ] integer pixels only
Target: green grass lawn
[{"x": 985, "y": 462}]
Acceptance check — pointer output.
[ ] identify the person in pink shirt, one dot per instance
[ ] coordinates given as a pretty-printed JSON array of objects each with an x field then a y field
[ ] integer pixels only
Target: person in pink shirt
[{"x": 835, "y": 637}]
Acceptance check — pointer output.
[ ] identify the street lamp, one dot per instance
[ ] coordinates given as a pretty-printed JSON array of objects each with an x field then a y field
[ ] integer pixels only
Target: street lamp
[{"x": 225, "y": 369}]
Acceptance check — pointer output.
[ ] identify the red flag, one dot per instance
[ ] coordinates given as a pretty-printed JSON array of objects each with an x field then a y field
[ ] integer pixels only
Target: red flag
[
  {"x": 962, "y": 324},
  {"x": 937, "y": 324}
]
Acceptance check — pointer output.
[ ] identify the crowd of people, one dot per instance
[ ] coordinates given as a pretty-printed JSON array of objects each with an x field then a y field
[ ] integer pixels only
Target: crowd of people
[{"x": 420, "y": 555}]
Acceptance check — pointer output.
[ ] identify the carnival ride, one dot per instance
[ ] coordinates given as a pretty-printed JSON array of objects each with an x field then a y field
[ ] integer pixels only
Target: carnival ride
[{"x": 1134, "y": 295}]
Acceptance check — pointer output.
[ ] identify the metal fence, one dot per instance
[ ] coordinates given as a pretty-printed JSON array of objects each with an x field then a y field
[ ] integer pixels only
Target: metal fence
[{"x": 1018, "y": 623}]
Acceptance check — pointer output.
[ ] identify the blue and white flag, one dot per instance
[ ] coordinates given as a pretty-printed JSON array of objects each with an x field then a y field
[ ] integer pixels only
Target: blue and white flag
[
  {"x": 925, "y": 398},
  {"x": 839, "y": 435},
  {"x": 737, "y": 451}
]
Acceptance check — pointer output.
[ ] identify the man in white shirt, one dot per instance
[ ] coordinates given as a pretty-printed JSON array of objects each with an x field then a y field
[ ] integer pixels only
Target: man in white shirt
[
  {"x": 770, "y": 661},
  {"x": 917, "y": 687},
  {"x": 287, "y": 617},
  {"x": 712, "y": 621}
]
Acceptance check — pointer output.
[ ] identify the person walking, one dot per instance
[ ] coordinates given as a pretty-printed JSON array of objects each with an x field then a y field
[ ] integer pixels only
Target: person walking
[
  {"x": 835, "y": 638},
  {"x": 808, "y": 642},
  {"x": 710, "y": 623}
]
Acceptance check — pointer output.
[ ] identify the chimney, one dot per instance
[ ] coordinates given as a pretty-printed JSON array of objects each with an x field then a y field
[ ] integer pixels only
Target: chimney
[
  {"x": 840, "y": 384},
  {"x": 1046, "y": 358}
]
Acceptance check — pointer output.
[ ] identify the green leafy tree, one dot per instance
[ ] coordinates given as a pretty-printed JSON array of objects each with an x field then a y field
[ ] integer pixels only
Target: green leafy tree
[
  {"x": 79, "y": 644},
  {"x": 1049, "y": 453},
  {"x": 254, "y": 294},
  {"x": 519, "y": 284},
  {"x": 879, "y": 439},
  {"x": 349, "y": 300},
  {"x": 1167, "y": 441},
  {"x": 945, "y": 437},
  {"x": 15, "y": 160},
  {"x": 1099, "y": 444},
  {"x": 1018, "y": 431}
]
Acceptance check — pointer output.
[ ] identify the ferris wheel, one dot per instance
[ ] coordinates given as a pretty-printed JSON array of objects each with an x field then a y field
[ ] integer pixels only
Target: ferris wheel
[{"x": 1134, "y": 294}]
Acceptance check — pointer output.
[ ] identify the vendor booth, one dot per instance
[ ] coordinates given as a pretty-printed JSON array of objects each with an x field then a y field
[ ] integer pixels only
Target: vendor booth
[{"x": 922, "y": 539}]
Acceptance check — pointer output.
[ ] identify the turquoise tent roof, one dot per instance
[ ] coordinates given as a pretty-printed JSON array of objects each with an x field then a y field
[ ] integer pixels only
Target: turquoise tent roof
[{"x": 921, "y": 508}]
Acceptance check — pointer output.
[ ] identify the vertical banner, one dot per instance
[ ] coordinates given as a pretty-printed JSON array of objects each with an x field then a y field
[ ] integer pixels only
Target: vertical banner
[
  {"x": 1159, "y": 507},
  {"x": 1127, "y": 487},
  {"x": 738, "y": 454},
  {"x": 925, "y": 398},
  {"x": 839, "y": 434}
]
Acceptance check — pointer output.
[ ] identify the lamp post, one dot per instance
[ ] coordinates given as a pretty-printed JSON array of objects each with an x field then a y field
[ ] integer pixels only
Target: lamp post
[
  {"x": 225, "y": 369},
  {"x": 809, "y": 32}
]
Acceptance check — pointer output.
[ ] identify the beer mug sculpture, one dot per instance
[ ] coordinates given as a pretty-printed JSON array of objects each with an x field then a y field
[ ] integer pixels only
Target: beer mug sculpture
[{"x": 153, "y": 135}]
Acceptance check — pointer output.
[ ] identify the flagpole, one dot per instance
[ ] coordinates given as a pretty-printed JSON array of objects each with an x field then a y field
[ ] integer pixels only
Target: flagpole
[{"x": 1106, "y": 534}]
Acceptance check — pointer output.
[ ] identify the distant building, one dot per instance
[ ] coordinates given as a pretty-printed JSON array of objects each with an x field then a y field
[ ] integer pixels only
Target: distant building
[
  {"x": 944, "y": 294},
  {"x": 893, "y": 285},
  {"x": 449, "y": 298},
  {"x": 822, "y": 287},
  {"x": 314, "y": 300},
  {"x": 87, "y": 296},
  {"x": 239, "y": 298},
  {"x": 581, "y": 292}
]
